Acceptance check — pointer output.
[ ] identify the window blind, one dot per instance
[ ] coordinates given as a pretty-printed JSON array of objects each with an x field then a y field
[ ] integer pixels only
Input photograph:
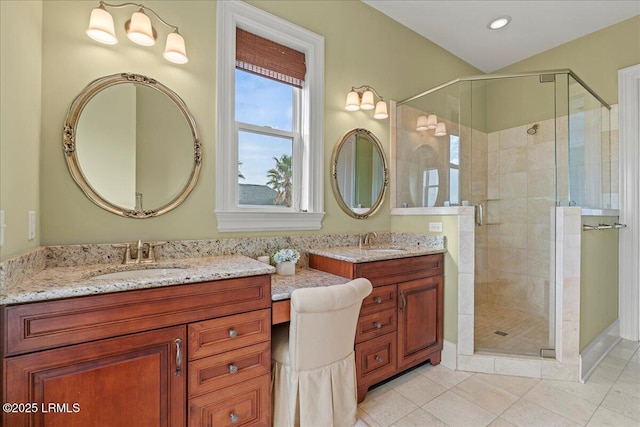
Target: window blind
[{"x": 269, "y": 59}]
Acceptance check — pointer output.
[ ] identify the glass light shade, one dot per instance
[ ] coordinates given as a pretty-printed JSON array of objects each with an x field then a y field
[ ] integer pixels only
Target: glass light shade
[
  {"x": 175, "y": 51},
  {"x": 353, "y": 101},
  {"x": 140, "y": 30},
  {"x": 367, "y": 100},
  {"x": 441, "y": 130},
  {"x": 422, "y": 123},
  {"x": 432, "y": 121},
  {"x": 381, "y": 110},
  {"x": 101, "y": 26}
]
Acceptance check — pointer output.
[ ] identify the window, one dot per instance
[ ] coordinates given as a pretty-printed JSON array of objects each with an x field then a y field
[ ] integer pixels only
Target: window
[
  {"x": 454, "y": 170},
  {"x": 269, "y": 148}
]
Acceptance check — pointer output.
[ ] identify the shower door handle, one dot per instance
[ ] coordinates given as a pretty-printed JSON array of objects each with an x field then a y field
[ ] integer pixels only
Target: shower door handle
[{"x": 479, "y": 214}]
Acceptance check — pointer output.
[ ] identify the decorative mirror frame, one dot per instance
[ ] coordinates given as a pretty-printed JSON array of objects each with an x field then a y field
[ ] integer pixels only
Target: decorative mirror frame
[
  {"x": 334, "y": 173},
  {"x": 69, "y": 143}
]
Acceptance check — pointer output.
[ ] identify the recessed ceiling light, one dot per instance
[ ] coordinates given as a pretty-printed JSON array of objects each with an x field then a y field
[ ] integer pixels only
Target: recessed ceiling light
[{"x": 500, "y": 22}]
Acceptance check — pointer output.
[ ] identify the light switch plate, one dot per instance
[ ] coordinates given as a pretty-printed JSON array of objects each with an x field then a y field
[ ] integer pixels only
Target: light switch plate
[
  {"x": 435, "y": 227},
  {"x": 32, "y": 225}
]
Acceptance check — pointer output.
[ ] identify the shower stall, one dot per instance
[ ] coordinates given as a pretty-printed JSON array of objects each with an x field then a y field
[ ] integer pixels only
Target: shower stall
[{"x": 515, "y": 147}]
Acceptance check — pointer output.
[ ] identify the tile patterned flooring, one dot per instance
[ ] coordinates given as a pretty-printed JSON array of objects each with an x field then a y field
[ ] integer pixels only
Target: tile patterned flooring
[
  {"x": 526, "y": 332},
  {"x": 438, "y": 396}
]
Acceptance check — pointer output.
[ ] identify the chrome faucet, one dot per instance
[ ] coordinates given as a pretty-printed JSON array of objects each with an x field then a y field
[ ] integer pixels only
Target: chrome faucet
[
  {"x": 143, "y": 254},
  {"x": 368, "y": 239}
]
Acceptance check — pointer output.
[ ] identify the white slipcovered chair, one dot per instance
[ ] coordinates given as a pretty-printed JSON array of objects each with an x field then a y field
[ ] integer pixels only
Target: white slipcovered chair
[{"x": 313, "y": 363}]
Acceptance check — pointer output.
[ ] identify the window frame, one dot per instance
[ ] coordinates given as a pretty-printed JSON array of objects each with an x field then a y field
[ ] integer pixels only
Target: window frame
[{"x": 307, "y": 212}]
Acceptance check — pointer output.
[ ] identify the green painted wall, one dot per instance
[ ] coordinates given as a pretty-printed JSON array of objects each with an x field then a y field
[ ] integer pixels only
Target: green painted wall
[
  {"x": 595, "y": 58},
  {"x": 598, "y": 279},
  {"x": 352, "y": 57},
  {"x": 20, "y": 118},
  {"x": 420, "y": 224}
]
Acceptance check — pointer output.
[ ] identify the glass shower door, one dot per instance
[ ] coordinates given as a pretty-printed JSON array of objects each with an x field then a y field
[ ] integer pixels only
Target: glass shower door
[{"x": 513, "y": 185}]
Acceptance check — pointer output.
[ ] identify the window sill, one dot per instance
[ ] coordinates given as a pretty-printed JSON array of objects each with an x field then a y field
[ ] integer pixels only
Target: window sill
[{"x": 268, "y": 221}]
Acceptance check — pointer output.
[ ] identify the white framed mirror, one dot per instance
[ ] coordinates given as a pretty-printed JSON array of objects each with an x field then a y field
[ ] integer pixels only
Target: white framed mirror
[
  {"x": 359, "y": 173},
  {"x": 132, "y": 145}
]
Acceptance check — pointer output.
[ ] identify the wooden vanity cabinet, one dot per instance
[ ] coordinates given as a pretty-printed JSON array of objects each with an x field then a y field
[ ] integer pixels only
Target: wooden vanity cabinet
[
  {"x": 144, "y": 357},
  {"x": 401, "y": 321}
]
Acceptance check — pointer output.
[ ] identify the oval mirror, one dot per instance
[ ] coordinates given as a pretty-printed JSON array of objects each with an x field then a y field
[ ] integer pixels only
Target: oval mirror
[
  {"x": 132, "y": 145},
  {"x": 359, "y": 173}
]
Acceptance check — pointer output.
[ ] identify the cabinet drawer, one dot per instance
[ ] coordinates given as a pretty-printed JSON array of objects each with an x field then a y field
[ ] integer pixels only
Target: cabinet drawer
[
  {"x": 381, "y": 298},
  {"x": 247, "y": 404},
  {"x": 376, "y": 324},
  {"x": 230, "y": 368},
  {"x": 376, "y": 359},
  {"x": 227, "y": 333},
  {"x": 400, "y": 270}
]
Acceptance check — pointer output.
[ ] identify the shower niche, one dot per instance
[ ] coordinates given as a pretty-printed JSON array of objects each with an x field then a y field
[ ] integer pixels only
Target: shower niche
[{"x": 515, "y": 147}]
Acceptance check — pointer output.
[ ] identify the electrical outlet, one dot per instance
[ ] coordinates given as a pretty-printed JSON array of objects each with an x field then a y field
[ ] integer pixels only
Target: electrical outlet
[
  {"x": 32, "y": 225},
  {"x": 435, "y": 227}
]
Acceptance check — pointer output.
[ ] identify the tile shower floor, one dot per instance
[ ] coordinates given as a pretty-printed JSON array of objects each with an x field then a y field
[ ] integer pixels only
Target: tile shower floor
[
  {"x": 438, "y": 396},
  {"x": 500, "y": 329}
]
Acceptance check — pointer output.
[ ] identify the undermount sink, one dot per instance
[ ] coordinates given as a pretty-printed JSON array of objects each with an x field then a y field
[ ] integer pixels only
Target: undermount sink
[
  {"x": 385, "y": 249},
  {"x": 135, "y": 274}
]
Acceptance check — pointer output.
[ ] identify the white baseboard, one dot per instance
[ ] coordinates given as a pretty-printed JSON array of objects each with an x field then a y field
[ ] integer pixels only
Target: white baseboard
[
  {"x": 449, "y": 355},
  {"x": 598, "y": 349}
]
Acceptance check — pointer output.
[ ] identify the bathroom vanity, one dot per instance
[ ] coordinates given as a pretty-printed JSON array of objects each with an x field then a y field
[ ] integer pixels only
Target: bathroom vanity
[
  {"x": 195, "y": 352},
  {"x": 401, "y": 322}
]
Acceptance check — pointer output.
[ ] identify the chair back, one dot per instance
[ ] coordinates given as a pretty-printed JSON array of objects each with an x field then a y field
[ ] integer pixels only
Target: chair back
[{"x": 323, "y": 323}]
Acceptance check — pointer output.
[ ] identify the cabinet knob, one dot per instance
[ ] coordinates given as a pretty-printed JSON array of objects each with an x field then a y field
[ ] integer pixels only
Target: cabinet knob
[
  {"x": 378, "y": 325},
  {"x": 233, "y": 369},
  {"x": 377, "y": 300},
  {"x": 379, "y": 359},
  {"x": 234, "y": 418},
  {"x": 233, "y": 333}
]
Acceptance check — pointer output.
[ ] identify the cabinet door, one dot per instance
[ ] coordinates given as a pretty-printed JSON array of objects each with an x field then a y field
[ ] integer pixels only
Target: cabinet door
[
  {"x": 420, "y": 306},
  {"x": 136, "y": 379}
]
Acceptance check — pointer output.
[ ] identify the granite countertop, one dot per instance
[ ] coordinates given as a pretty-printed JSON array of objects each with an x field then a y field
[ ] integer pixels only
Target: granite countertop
[
  {"x": 357, "y": 254},
  {"x": 283, "y": 286},
  {"x": 65, "y": 282}
]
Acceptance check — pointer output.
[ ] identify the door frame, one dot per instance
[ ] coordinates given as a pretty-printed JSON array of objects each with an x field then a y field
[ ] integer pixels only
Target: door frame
[{"x": 629, "y": 244}]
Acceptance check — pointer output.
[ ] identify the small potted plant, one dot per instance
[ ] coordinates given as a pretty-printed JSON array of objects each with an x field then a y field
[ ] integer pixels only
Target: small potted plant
[{"x": 285, "y": 260}]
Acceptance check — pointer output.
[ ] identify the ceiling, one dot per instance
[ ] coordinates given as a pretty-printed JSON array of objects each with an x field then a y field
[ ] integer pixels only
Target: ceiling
[{"x": 460, "y": 26}]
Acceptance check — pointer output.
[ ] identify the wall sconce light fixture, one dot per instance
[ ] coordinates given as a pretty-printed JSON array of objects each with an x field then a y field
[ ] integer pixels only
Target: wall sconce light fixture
[
  {"x": 139, "y": 30},
  {"x": 362, "y": 98},
  {"x": 430, "y": 122}
]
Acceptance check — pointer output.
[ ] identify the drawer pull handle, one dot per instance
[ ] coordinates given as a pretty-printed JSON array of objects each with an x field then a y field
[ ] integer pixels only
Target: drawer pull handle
[
  {"x": 378, "y": 325},
  {"x": 379, "y": 359},
  {"x": 233, "y": 369},
  {"x": 234, "y": 418},
  {"x": 404, "y": 301},
  {"x": 233, "y": 333},
  {"x": 377, "y": 300},
  {"x": 178, "y": 371}
]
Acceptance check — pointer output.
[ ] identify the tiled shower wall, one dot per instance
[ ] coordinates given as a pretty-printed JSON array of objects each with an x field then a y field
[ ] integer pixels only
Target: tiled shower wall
[{"x": 514, "y": 267}]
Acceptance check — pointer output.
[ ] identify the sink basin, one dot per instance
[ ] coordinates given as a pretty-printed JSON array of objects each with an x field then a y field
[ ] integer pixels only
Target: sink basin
[
  {"x": 135, "y": 274},
  {"x": 389, "y": 250}
]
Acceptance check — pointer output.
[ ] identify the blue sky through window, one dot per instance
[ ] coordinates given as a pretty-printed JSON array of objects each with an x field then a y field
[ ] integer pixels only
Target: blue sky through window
[{"x": 262, "y": 102}]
